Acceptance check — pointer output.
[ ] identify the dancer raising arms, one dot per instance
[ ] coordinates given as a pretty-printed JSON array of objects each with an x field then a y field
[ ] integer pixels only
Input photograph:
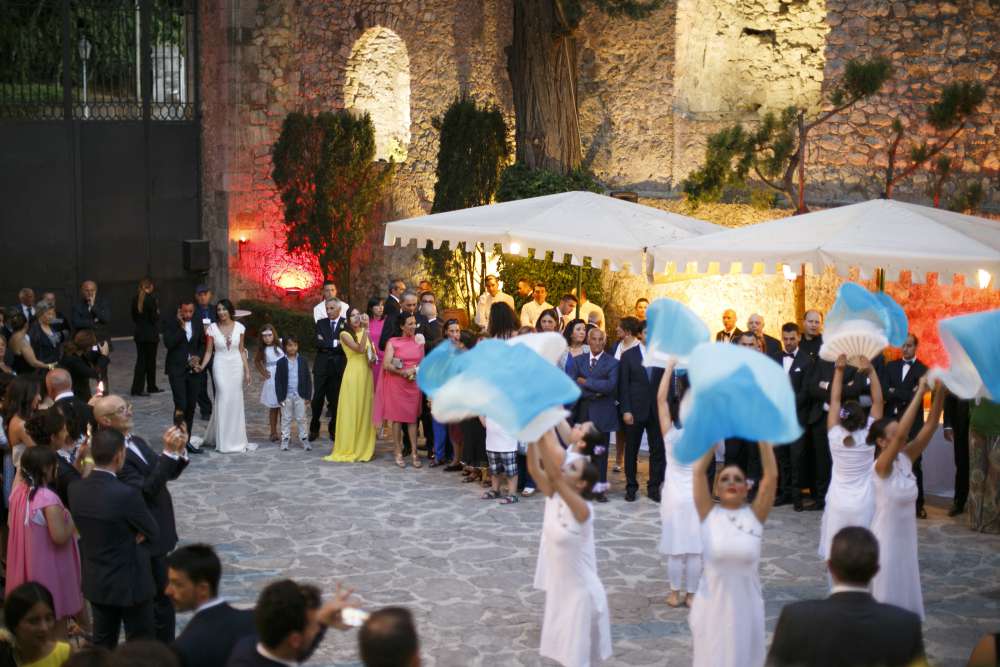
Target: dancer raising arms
[
  {"x": 680, "y": 538},
  {"x": 576, "y": 630},
  {"x": 850, "y": 500},
  {"x": 895, "y": 524},
  {"x": 727, "y": 618}
]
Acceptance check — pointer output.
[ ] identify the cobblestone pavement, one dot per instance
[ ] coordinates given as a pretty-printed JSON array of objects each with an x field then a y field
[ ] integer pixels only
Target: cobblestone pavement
[{"x": 464, "y": 566}]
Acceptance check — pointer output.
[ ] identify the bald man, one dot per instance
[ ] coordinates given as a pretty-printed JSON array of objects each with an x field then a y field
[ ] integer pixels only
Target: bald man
[
  {"x": 755, "y": 324},
  {"x": 93, "y": 312},
  {"x": 730, "y": 332},
  {"x": 59, "y": 390}
]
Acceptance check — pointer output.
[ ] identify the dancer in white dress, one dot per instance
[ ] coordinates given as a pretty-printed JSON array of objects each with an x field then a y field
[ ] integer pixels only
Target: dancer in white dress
[
  {"x": 576, "y": 630},
  {"x": 227, "y": 429},
  {"x": 680, "y": 538},
  {"x": 850, "y": 500},
  {"x": 895, "y": 523},
  {"x": 727, "y": 618},
  {"x": 582, "y": 439},
  {"x": 266, "y": 362}
]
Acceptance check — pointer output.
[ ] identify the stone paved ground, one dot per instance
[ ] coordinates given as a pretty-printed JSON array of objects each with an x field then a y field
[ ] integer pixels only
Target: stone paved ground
[{"x": 464, "y": 566}]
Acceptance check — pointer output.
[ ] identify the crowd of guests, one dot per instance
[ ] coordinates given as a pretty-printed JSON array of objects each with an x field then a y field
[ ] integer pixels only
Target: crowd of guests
[{"x": 90, "y": 541}]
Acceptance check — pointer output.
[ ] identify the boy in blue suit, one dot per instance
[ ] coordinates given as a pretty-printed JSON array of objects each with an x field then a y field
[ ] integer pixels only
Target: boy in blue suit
[{"x": 293, "y": 387}]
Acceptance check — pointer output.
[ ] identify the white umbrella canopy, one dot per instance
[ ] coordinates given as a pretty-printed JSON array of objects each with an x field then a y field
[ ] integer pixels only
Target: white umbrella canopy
[
  {"x": 881, "y": 233},
  {"x": 581, "y": 224}
]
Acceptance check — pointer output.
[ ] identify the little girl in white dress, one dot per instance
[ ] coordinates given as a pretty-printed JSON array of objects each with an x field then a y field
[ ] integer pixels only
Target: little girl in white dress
[
  {"x": 680, "y": 537},
  {"x": 266, "y": 361}
]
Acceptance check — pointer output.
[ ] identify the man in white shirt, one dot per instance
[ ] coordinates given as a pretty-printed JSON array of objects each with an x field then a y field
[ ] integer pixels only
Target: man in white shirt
[
  {"x": 531, "y": 311},
  {"x": 26, "y": 303},
  {"x": 329, "y": 292},
  {"x": 587, "y": 308},
  {"x": 488, "y": 298}
]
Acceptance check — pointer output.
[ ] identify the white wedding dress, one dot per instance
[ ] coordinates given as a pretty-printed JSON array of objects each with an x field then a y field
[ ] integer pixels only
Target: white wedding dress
[{"x": 227, "y": 429}]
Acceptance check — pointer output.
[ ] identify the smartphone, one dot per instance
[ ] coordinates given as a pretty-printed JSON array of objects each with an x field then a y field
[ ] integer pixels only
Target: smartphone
[{"x": 353, "y": 617}]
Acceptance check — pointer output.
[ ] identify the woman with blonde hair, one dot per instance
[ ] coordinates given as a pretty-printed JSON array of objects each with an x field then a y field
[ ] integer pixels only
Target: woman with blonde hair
[{"x": 146, "y": 317}]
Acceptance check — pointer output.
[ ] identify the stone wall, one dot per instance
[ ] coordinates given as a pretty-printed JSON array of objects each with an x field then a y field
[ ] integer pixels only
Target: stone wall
[{"x": 281, "y": 56}]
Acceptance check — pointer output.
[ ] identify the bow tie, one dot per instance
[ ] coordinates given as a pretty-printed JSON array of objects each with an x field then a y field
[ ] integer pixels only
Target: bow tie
[{"x": 789, "y": 355}]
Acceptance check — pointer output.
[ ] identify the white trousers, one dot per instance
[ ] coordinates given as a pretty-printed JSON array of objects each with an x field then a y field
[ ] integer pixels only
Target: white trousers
[
  {"x": 684, "y": 570},
  {"x": 293, "y": 408}
]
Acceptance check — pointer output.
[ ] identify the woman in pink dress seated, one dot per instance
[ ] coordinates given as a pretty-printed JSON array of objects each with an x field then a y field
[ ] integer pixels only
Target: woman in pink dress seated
[
  {"x": 397, "y": 396},
  {"x": 41, "y": 545}
]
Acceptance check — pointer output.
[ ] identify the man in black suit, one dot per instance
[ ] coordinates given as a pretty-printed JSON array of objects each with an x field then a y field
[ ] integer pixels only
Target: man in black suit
[
  {"x": 849, "y": 628},
  {"x": 193, "y": 574},
  {"x": 812, "y": 333},
  {"x": 115, "y": 526},
  {"x": 755, "y": 324},
  {"x": 26, "y": 304},
  {"x": 956, "y": 431},
  {"x": 900, "y": 378},
  {"x": 816, "y": 390},
  {"x": 328, "y": 369},
  {"x": 730, "y": 333},
  {"x": 58, "y": 387},
  {"x": 389, "y": 637},
  {"x": 185, "y": 348},
  {"x": 407, "y": 306},
  {"x": 637, "y": 386},
  {"x": 149, "y": 472},
  {"x": 391, "y": 307},
  {"x": 291, "y": 622},
  {"x": 796, "y": 363},
  {"x": 204, "y": 316},
  {"x": 93, "y": 312}
]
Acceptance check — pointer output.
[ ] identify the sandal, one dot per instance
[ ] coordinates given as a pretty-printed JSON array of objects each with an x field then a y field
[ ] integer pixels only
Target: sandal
[
  {"x": 400, "y": 462},
  {"x": 417, "y": 463},
  {"x": 508, "y": 500},
  {"x": 689, "y": 600},
  {"x": 489, "y": 495},
  {"x": 473, "y": 476},
  {"x": 674, "y": 599},
  {"x": 528, "y": 492}
]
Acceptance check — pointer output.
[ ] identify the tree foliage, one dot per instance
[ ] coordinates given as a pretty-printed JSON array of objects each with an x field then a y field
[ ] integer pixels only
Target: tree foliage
[
  {"x": 472, "y": 152},
  {"x": 948, "y": 116},
  {"x": 558, "y": 274},
  {"x": 775, "y": 151},
  {"x": 329, "y": 186}
]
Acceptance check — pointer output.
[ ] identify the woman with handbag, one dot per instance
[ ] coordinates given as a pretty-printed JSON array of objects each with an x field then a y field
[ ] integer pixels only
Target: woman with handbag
[{"x": 398, "y": 398}]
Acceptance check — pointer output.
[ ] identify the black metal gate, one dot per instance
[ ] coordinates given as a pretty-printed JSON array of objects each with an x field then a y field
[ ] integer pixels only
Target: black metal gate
[{"x": 99, "y": 147}]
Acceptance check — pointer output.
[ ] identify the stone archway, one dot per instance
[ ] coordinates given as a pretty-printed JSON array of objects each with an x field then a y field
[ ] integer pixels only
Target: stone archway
[{"x": 377, "y": 81}]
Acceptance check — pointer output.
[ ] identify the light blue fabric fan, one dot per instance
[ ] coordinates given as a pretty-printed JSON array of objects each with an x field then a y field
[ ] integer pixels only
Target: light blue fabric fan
[
  {"x": 672, "y": 331},
  {"x": 510, "y": 384},
  {"x": 735, "y": 392},
  {"x": 974, "y": 351},
  {"x": 862, "y": 324}
]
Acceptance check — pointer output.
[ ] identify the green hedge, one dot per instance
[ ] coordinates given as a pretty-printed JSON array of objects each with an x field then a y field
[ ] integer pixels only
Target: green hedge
[{"x": 286, "y": 321}]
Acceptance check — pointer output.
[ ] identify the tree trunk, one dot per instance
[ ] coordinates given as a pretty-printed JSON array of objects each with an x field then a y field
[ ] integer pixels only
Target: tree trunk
[{"x": 541, "y": 63}]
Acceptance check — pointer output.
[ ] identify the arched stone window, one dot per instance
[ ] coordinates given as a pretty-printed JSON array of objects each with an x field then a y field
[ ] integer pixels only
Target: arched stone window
[{"x": 378, "y": 82}]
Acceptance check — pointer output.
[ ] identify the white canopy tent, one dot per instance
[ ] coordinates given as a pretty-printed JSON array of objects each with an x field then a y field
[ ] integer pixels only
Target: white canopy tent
[
  {"x": 581, "y": 224},
  {"x": 878, "y": 234}
]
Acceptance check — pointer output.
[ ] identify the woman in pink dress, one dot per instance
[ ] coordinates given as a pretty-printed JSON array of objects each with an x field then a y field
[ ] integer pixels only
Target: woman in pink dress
[
  {"x": 41, "y": 545},
  {"x": 397, "y": 396}
]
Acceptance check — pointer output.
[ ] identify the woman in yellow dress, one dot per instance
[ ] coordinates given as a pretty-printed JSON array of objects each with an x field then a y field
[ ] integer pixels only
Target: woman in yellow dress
[{"x": 354, "y": 439}]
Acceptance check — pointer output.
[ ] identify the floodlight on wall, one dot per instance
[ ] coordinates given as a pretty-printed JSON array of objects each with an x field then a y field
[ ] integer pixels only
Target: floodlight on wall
[
  {"x": 790, "y": 275},
  {"x": 984, "y": 278},
  {"x": 515, "y": 248}
]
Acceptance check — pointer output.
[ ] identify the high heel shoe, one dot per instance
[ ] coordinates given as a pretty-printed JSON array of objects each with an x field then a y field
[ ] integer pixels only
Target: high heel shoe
[
  {"x": 416, "y": 461},
  {"x": 400, "y": 461}
]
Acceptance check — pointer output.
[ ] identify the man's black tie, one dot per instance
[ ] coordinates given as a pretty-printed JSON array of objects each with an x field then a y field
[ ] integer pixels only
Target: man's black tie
[{"x": 593, "y": 362}]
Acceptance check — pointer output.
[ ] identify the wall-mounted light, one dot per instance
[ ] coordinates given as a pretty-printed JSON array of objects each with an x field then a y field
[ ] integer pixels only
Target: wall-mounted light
[
  {"x": 242, "y": 241},
  {"x": 515, "y": 248},
  {"x": 984, "y": 278},
  {"x": 293, "y": 292},
  {"x": 790, "y": 275}
]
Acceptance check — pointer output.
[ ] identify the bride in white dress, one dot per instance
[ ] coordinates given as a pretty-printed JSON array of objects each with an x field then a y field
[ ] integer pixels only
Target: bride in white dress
[{"x": 227, "y": 429}]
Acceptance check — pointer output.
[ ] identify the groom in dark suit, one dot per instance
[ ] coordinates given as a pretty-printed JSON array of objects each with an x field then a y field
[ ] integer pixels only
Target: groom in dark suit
[
  {"x": 114, "y": 525},
  {"x": 899, "y": 380},
  {"x": 328, "y": 369},
  {"x": 849, "y": 628},
  {"x": 796, "y": 362},
  {"x": 149, "y": 472},
  {"x": 185, "y": 343},
  {"x": 637, "y": 386},
  {"x": 596, "y": 373}
]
